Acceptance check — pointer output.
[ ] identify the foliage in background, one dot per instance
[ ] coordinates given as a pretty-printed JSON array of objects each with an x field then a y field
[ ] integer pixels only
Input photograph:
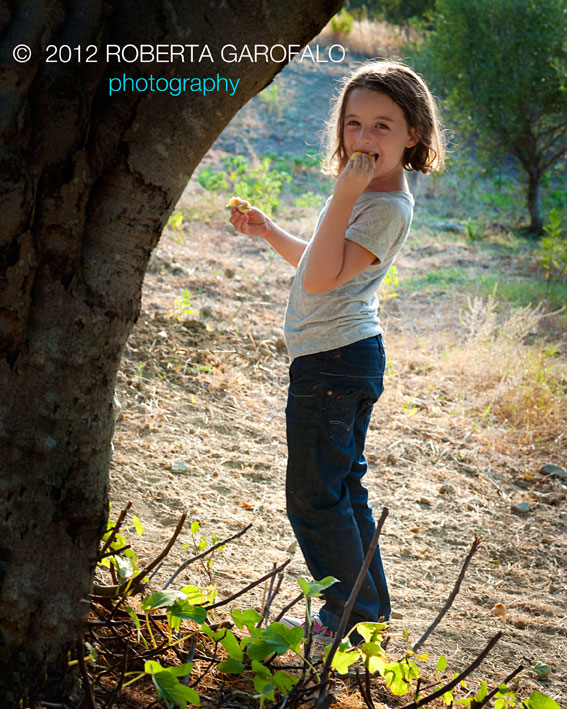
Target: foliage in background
[
  {"x": 501, "y": 67},
  {"x": 342, "y": 22},
  {"x": 398, "y": 12},
  {"x": 553, "y": 254}
]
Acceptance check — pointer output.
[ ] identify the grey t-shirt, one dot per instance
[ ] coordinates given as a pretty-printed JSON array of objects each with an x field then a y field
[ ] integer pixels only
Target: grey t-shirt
[{"x": 318, "y": 322}]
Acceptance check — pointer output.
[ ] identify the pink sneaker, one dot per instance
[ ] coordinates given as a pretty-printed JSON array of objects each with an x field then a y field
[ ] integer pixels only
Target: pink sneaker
[{"x": 321, "y": 634}]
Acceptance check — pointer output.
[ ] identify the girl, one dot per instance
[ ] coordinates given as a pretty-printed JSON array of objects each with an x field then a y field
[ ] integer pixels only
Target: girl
[{"x": 384, "y": 122}]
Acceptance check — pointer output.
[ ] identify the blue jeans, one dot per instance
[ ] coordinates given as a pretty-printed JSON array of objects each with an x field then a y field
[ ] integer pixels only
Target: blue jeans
[{"x": 330, "y": 400}]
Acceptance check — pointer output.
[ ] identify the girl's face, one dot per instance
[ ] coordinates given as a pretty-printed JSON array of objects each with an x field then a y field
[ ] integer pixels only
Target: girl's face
[{"x": 375, "y": 124}]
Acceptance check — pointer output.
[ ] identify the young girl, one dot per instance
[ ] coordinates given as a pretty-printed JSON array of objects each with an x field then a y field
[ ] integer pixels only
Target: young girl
[{"x": 384, "y": 122}]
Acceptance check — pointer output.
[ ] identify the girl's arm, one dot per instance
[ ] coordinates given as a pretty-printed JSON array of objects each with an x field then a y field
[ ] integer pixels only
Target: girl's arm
[
  {"x": 256, "y": 223},
  {"x": 334, "y": 260}
]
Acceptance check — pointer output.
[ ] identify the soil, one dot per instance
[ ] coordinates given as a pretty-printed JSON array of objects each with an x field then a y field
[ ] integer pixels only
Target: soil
[{"x": 200, "y": 427}]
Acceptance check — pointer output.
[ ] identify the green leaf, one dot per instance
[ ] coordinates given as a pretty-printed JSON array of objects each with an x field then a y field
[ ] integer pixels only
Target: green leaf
[
  {"x": 212, "y": 634},
  {"x": 197, "y": 596},
  {"x": 230, "y": 644},
  {"x": 231, "y": 666},
  {"x": 180, "y": 670},
  {"x": 342, "y": 660},
  {"x": 371, "y": 632},
  {"x": 183, "y": 694},
  {"x": 373, "y": 650},
  {"x": 442, "y": 664},
  {"x": 162, "y": 599},
  {"x": 249, "y": 618},
  {"x": 139, "y": 526},
  {"x": 260, "y": 669},
  {"x": 284, "y": 681},
  {"x": 396, "y": 677},
  {"x": 448, "y": 697},
  {"x": 278, "y": 634},
  {"x": 538, "y": 700},
  {"x": 185, "y": 610},
  {"x": 313, "y": 589},
  {"x": 482, "y": 692},
  {"x": 167, "y": 685},
  {"x": 124, "y": 566}
]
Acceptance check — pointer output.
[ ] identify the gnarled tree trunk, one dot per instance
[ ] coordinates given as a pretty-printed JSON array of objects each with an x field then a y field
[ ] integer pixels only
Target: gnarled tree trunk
[{"x": 88, "y": 181}]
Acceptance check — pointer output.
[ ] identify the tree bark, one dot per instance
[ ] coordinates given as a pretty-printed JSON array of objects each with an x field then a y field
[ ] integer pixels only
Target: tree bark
[
  {"x": 88, "y": 181},
  {"x": 534, "y": 200}
]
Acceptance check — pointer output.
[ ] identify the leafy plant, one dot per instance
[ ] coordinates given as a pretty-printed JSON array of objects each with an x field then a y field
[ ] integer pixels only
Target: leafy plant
[
  {"x": 243, "y": 647},
  {"x": 183, "y": 305},
  {"x": 389, "y": 285},
  {"x": 553, "y": 252},
  {"x": 342, "y": 23},
  {"x": 259, "y": 184}
]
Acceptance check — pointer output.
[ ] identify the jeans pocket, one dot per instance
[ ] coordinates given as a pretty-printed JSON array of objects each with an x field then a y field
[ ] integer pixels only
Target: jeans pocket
[{"x": 342, "y": 416}]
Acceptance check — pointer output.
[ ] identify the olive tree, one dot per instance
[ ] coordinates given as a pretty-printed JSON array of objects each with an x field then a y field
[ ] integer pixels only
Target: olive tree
[
  {"x": 88, "y": 179},
  {"x": 502, "y": 67}
]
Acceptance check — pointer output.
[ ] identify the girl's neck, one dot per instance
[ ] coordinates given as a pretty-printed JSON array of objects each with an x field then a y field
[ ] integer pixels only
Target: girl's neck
[{"x": 388, "y": 183}]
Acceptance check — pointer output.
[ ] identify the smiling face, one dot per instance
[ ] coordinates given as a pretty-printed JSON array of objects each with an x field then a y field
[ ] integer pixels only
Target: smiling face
[{"x": 374, "y": 123}]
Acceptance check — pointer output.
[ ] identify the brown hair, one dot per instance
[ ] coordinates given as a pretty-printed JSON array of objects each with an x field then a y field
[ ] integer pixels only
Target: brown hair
[{"x": 410, "y": 92}]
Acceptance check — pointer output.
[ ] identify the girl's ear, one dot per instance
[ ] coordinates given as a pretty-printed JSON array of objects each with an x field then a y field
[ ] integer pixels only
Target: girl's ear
[{"x": 413, "y": 139}]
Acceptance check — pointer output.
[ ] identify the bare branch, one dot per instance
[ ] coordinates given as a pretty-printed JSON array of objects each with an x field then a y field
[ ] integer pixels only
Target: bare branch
[
  {"x": 350, "y": 603},
  {"x": 289, "y": 607},
  {"x": 249, "y": 587},
  {"x": 452, "y": 596},
  {"x": 488, "y": 697},
  {"x": 116, "y": 527},
  {"x": 185, "y": 564},
  {"x": 454, "y": 682},
  {"x": 132, "y": 584}
]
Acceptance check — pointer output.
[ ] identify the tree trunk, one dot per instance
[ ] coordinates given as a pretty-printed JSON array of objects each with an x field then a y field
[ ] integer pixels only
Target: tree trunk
[
  {"x": 534, "y": 200},
  {"x": 88, "y": 181}
]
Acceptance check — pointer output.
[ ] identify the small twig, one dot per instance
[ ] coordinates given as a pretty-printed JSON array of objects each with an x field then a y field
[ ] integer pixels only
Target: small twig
[
  {"x": 452, "y": 596},
  {"x": 132, "y": 584},
  {"x": 87, "y": 686},
  {"x": 116, "y": 527},
  {"x": 112, "y": 553},
  {"x": 249, "y": 587},
  {"x": 271, "y": 595},
  {"x": 454, "y": 682},
  {"x": 118, "y": 688},
  {"x": 185, "y": 564},
  {"x": 265, "y": 595},
  {"x": 488, "y": 697},
  {"x": 289, "y": 607},
  {"x": 364, "y": 693}
]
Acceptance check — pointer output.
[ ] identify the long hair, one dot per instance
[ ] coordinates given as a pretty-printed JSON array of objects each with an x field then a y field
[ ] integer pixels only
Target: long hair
[{"x": 409, "y": 91}]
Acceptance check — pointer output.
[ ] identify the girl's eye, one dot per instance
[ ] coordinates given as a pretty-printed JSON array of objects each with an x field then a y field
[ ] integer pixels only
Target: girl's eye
[{"x": 382, "y": 125}]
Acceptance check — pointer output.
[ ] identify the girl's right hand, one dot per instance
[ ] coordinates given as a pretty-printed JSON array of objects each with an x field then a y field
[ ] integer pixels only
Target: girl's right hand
[{"x": 252, "y": 223}]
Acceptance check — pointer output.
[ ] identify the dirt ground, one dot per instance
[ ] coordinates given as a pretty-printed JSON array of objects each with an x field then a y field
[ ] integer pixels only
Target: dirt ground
[{"x": 200, "y": 426}]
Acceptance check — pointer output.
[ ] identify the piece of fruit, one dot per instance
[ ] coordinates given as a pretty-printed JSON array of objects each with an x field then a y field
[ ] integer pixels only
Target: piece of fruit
[
  {"x": 242, "y": 205},
  {"x": 359, "y": 152}
]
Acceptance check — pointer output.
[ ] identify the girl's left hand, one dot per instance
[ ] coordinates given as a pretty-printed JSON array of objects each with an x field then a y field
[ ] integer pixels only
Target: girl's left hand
[{"x": 355, "y": 177}]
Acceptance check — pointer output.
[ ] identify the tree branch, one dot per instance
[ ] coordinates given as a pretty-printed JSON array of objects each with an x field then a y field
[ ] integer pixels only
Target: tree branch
[
  {"x": 185, "y": 564},
  {"x": 454, "y": 682},
  {"x": 249, "y": 587},
  {"x": 350, "y": 603},
  {"x": 451, "y": 598}
]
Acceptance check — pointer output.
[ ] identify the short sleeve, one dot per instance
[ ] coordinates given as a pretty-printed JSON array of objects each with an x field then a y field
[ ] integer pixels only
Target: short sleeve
[{"x": 379, "y": 226}]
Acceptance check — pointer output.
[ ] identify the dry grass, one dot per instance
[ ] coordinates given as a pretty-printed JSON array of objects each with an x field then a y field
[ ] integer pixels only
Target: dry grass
[
  {"x": 505, "y": 377},
  {"x": 370, "y": 38}
]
